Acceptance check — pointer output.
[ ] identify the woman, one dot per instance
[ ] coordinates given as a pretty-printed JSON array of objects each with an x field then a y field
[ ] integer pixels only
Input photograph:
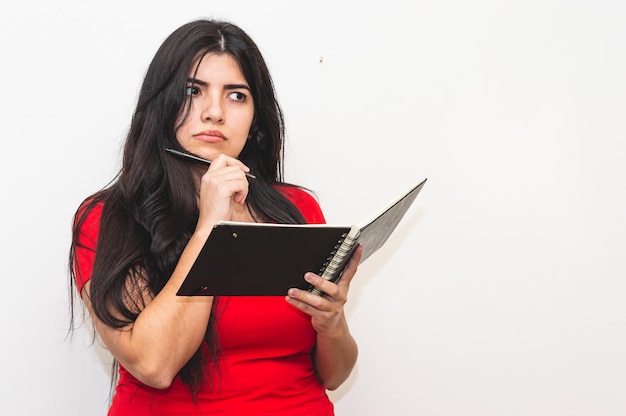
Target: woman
[{"x": 208, "y": 92}]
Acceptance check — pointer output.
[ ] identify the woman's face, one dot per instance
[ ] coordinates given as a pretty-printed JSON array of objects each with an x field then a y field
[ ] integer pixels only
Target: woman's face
[{"x": 222, "y": 109}]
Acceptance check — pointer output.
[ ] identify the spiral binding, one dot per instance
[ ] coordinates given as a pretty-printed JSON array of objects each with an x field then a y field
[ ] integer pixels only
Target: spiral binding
[{"x": 336, "y": 259}]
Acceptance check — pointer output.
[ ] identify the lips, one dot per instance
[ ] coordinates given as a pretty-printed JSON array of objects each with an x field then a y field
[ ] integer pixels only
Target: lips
[{"x": 210, "y": 136}]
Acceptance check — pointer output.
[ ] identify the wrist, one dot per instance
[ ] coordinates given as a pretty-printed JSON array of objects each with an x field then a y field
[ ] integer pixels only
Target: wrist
[{"x": 333, "y": 333}]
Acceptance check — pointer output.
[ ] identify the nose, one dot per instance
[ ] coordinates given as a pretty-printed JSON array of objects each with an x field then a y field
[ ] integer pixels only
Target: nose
[{"x": 213, "y": 109}]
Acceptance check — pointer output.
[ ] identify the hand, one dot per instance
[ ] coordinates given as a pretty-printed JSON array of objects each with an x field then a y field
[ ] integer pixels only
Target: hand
[
  {"x": 327, "y": 312},
  {"x": 223, "y": 185}
]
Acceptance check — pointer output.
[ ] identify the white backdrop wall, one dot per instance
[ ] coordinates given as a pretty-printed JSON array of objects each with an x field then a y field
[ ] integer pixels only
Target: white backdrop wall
[{"x": 502, "y": 292}]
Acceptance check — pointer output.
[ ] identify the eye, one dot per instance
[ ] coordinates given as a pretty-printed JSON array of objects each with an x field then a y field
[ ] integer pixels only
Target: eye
[
  {"x": 237, "y": 96},
  {"x": 191, "y": 90}
]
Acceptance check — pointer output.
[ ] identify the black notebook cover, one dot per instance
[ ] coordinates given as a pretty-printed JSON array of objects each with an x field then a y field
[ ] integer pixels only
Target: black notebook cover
[{"x": 264, "y": 260}]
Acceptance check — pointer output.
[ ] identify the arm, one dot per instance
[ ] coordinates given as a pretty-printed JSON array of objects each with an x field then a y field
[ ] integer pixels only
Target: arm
[
  {"x": 167, "y": 332},
  {"x": 170, "y": 329},
  {"x": 336, "y": 350}
]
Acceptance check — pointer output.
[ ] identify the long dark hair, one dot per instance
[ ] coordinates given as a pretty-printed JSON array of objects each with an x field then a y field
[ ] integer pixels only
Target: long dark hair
[{"x": 150, "y": 208}]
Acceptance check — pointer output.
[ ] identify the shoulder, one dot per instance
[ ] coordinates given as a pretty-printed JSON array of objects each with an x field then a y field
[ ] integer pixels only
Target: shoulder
[
  {"x": 86, "y": 230},
  {"x": 87, "y": 222},
  {"x": 306, "y": 203}
]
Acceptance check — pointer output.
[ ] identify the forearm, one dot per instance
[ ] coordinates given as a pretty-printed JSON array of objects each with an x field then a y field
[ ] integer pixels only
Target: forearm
[
  {"x": 167, "y": 332},
  {"x": 336, "y": 350},
  {"x": 335, "y": 356}
]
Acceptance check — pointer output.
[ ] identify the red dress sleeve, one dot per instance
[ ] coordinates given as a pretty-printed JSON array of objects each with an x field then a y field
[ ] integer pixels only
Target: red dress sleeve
[{"x": 86, "y": 246}]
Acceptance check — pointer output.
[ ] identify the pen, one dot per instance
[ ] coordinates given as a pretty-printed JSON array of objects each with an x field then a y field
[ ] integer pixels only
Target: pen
[{"x": 195, "y": 158}]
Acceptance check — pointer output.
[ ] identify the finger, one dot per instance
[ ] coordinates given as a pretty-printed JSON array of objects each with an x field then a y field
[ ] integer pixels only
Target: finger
[
  {"x": 351, "y": 268},
  {"x": 305, "y": 300},
  {"x": 223, "y": 160},
  {"x": 219, "y": 190},
  {"x": 226, "y": 178},
  {"x": 330, "y": 289},
  {"x": 226, "y": 168}
]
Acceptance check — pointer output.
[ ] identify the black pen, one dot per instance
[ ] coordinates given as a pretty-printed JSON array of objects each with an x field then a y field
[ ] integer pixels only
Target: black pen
[{"x": 195, "y": 158}]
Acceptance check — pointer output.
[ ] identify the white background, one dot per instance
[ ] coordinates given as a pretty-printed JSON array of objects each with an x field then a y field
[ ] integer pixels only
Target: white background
[{"x": 501, "y": 293}]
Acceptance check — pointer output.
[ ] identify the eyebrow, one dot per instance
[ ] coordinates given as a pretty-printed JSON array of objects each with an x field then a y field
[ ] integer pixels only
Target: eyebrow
[{"x": 227, "y": 86}]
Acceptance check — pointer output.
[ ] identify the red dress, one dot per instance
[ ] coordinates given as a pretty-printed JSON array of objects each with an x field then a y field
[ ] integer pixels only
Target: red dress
[{"x": 266, "y": 367}]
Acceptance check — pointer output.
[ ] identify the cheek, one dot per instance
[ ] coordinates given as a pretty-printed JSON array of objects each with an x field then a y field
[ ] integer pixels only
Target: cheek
[
  {"x": 248, "y": 121},
  {"x": 181, "y": 133},
  {"x": 183, "y": 122},
  {"x": 180, "y": 124}
]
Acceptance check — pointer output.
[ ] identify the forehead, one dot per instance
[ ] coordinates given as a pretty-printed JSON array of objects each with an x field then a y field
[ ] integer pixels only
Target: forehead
[{"x": 216, "y": 66}]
